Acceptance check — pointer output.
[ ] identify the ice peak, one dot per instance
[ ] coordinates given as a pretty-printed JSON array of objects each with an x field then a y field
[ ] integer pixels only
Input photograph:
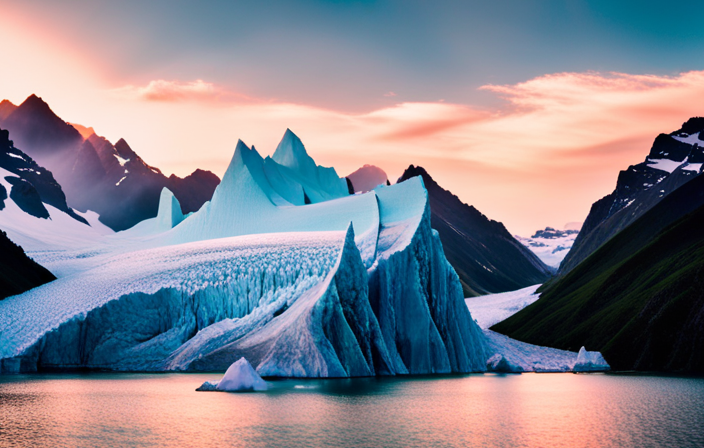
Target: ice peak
[
  {"x": 292, "y": 154},
  {"x": 170, "y": 214}
]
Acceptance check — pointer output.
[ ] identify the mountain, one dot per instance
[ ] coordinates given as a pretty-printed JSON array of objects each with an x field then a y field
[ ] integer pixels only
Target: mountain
[
  {"x": 484, "y": 254},
  {"x": 31, "y": 185},
  {"x": 6, "y": 108},
  {"x": 111, "y": 180},
  {"x": 639, "y": 298},
  {"x": 674, "y": 159},
  {"x": 550, "y": 245},
  {"x": 18, "y": 272},
  {"x": 367, "y": 178}
]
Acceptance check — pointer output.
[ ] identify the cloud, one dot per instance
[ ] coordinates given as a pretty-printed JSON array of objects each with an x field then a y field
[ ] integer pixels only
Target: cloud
[
  {"x": 390, "y": 94},
  {"x": 554, "y": 147},
  {"x": 173, "y": 91}
]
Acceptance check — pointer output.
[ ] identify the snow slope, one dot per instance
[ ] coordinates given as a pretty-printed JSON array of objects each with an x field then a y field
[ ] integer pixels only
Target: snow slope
[
  {"x": 59, "y": 232},
  {"x": 493, "y": 308}
]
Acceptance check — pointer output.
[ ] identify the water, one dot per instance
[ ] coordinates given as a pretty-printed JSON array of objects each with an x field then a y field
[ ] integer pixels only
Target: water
[{"x": 141, "y": 410}]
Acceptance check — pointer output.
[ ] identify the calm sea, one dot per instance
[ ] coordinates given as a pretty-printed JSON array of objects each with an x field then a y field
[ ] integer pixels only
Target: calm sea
[{"x": 540, "y": 410}]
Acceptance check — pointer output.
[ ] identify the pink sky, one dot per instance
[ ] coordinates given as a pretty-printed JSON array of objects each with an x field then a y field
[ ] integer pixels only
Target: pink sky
[{"x": 541, "y": 159}]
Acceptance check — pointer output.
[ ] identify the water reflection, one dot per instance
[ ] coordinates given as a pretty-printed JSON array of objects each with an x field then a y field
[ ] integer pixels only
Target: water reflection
[{"x": 474, "y": 410}]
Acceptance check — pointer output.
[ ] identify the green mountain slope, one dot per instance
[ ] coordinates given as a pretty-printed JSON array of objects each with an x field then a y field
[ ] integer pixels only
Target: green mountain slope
[{"x": 639, "y": 299}]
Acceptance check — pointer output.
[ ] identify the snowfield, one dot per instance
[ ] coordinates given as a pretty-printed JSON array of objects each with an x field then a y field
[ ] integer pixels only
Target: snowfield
[{"x": 491, "y": 309}]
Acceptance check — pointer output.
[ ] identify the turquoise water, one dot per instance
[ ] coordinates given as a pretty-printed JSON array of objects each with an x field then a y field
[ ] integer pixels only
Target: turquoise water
[{"x": 541, "y": 410}]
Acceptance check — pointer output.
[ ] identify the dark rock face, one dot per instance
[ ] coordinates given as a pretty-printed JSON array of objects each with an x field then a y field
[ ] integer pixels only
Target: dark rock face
[
  {"x": 38, "y": 178},
  {"x": 26, "y": 197},
  {"x": 18, "y": 272},
  {"x": 639, "y": 298},
  {"x": 193, "y": 190},
  {"x": 487, "y": 258},
  {"x": 111, "y": 180},
  {"x": 638, "y": 189},
  {"x": 3, "y": 196}
]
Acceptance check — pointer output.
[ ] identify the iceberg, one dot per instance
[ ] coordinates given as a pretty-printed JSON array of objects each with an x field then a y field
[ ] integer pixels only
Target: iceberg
[
  {"x": 239, "y": 377},
  {"x": 497, "y": 363},
  {"x": 590, "y": 362}
]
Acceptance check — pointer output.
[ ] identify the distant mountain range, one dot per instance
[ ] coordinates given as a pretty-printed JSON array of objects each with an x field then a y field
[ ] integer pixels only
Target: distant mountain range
[
  {"x": 111, "y": 180},
  {"x": 367, "y": 178},
  {"x": 550, "y": 245},
  {"x": 487, "y": 258},
  {"x": 674, "y": 159},
  {"x": 639, "y": 297}
]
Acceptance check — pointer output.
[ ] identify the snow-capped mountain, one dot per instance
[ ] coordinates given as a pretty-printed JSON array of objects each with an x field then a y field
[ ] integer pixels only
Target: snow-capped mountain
[
  {"x": 674, "y": 159},
  {"x": 550, "y": 245},
  {"x": 33, "y": 209},
  {"x": 111, "y": 180},
  {"x": 367, "y": 178},
  {"x": 30, "y": 185},
  {"x": 484, "y": 254},
  {"x": 638, "y": 298}
]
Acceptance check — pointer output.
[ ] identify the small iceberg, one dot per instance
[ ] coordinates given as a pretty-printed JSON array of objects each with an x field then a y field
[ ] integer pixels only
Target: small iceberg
[
  {"x": 590, "y": 362},
  {"x": 239, "y": 377},
  {"x": 499, "y": 364}
]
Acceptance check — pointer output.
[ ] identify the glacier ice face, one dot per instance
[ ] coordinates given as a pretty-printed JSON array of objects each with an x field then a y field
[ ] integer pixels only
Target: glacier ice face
[
  {"x": 527, "y": 357},
  {"x": 239, "y": 377},
  {"x": 290, "y": 287}
]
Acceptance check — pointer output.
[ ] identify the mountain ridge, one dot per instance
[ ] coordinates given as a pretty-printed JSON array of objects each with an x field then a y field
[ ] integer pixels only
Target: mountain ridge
[
  {"x": 487, "y": 258},
  {"x": 112, "y": 180}
]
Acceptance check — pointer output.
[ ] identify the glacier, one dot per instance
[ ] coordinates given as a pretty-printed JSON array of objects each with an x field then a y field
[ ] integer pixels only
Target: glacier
[
  {"x": 339, "y": 286},
  {"x": 511, "y": 356},
  {"x": 282, "y": 267}
]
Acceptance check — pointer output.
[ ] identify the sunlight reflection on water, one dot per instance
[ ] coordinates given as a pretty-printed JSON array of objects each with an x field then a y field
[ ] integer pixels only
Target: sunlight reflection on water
[{"x": 144, "y": 410}]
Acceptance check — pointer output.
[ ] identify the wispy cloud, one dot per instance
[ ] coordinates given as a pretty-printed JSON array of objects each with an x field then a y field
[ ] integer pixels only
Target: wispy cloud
[
  {"x": 555, "y": 146},
  {"x": 172, "y": 91}
]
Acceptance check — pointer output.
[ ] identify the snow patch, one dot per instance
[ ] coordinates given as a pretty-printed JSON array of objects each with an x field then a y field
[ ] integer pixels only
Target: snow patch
[
  {"x": 689, "y": 139},
  {"x": 121, "y": 160},
  {"x": 664, "y": 164},
  {"x": 493, "y": 308}
]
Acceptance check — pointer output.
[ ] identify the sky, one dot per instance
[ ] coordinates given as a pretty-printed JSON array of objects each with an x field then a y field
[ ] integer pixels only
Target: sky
[{"x": 526, "y": 110}]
